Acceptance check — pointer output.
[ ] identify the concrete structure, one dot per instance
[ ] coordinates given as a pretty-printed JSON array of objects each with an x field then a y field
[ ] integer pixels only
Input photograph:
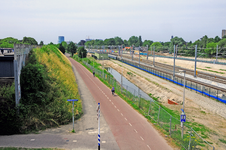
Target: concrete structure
[
  {"x": 223, "y": 33},
  {"x": 60, "y": 39},
  {"x": 101, "y": 55}
]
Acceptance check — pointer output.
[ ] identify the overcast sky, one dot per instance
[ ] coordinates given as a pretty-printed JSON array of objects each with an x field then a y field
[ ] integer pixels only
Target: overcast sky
[{"x": 155, "y": 20}]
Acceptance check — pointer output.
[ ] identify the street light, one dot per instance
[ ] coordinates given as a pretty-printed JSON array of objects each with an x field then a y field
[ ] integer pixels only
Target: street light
[{"x": 182, "y": 126}]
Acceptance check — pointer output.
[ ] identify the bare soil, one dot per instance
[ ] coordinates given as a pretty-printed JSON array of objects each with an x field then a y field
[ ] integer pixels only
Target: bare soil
[{"x": 198, "y": 108}]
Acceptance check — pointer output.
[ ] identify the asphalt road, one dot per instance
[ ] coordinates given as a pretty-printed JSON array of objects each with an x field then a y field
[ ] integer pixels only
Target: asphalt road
[{"x": 131, "y": 130}]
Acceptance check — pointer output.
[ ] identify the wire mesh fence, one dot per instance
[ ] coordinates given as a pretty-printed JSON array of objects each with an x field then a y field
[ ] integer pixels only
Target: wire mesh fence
[{"x": 191, "y": 140}]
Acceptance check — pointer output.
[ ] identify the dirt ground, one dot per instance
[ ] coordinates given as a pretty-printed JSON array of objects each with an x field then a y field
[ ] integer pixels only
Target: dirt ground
[
  {"x": 190, "y": 65},
  {"x": 198, "y": 108}
]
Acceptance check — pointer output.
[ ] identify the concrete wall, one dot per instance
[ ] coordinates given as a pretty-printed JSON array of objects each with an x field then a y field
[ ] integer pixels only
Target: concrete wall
[
  {"x": 104, "y": 55},
  {"x": 6, "y": 66}
]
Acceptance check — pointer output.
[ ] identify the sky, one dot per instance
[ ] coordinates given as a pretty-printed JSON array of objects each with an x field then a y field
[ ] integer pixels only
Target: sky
[{"x": 155, "y": 20}]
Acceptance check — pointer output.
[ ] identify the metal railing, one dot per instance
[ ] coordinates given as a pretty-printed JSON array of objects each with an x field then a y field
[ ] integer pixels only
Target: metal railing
[{"x": 191, "y": 139}]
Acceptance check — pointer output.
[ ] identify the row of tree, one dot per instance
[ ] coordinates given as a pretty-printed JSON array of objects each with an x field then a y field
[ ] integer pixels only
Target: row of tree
[
  {"x": 71, "y": 48},
  {"x": 9, "y": 42}
]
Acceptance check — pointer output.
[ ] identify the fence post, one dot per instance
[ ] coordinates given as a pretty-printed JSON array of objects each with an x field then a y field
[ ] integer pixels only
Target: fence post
[
  {"x": 159, "y": 114},
  {"x": 170, "y": 125},
  {"x": 189, "y": 146},
  {"x": 149, "y": 108}
]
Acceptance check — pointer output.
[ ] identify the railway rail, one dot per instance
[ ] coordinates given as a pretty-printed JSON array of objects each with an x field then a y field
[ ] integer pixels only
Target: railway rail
[{"x": 204, "y": 75}]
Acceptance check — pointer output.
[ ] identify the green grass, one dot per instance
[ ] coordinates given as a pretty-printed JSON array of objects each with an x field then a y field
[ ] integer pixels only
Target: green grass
[
  {"x": 211, "y": 71},
  {"x": 223, "y": 141},
  {"x": 208, "y": 67},
  {"x": 223, "y": 69}
]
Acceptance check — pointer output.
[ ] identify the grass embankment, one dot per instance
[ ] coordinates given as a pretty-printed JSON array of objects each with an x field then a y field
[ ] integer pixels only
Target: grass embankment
[
  {"x": 163, "y": 124},
  {"x": 47, "y": 81}
]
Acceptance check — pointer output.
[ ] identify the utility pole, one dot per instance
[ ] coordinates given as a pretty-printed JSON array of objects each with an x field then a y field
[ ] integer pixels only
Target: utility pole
[
  {"x": 147, "y": 52},
  {"x": 154, "y": 56},
  {"x": 139, "y": 56},
  {"x": 174, "y": 63},
  {"x": 195, "y": 60},
  {"x": 217, "y": 53},
  {"x": 98, "y": 118}
]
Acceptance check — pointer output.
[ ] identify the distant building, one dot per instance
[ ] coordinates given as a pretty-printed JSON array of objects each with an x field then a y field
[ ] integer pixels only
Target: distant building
[
  {"x": 88, "y": 40},
  {"x": 60, "y": 39},
  {"x": 68, "y": 42},
  {"x": 171, "y": 37},
  {"x": 223, "y": 33}
]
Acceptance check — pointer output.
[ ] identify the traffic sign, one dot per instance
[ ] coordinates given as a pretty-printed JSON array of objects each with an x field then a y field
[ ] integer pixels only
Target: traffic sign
[
  {"x": 183, "y": 118},
  {"x": 72, "y": 100}
]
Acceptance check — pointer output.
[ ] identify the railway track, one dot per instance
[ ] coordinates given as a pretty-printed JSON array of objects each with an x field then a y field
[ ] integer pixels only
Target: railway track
[{"x": 169, "y": 68}]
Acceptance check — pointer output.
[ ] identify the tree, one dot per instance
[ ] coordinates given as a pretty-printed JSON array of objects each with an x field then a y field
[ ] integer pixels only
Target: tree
[
  {"x": 61, "y": 48},
  {"x": 41, "y": 43},
  {"x": 125, "y": 43},
  {"x": 133, "y": 40},
  {"x": 177, "y": 41},
  {"x": 204, "y": 41},
  {"x": 29, "y": 40},
  {"x": 64, "y": 44},
  {"x": 118, "y": 41},
  {"x": 72, "y": 48},
  {"x": 224, "y": 37},
  {"x": 140, "y": 41},
  {"x": 222, "y": 43},
  {"x": 147, "y": 42},
  {"x": 98, "y": 42},
  {"x": 82, "y": 52},
  {"x": 110, "y": 41},
  {"x": 217, "y": 39},
  {"x": 210, "y": 48},
  {"x": 157, "y": 45}
]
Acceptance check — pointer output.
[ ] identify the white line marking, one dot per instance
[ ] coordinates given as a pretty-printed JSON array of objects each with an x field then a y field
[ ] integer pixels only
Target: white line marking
[
  {"x": 130, "y": 124},
  {"x": 118, "y": 109},
  {"x": 125, "y": 119},
  {"x": 115, "y": 106},
  {"x": 135, "y": 130},
  {"x": 141, "y": 138},
  {"x": 74, "y": 140},
  {"x": 121, "y": 114},
  {"x": 148, "y": 146},
  {"x": 32, "y": 139},
  {"x": 103, "y": 141}
]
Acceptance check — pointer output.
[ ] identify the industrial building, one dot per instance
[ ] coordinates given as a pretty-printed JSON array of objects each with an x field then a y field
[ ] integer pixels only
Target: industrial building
[
  {"x": 60, "y": 39},
  {"x": 223, "y": 33}
]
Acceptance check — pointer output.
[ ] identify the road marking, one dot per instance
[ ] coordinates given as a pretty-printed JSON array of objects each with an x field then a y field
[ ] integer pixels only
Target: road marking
[
  {"x": 118, "y": 109},
  {"x": 74, "y": 140},
  {"x": 141, "y": 138},
  {"x": 121, "y": 114},
  {"x": 103, "y": 141},
  {"x": 32, "y": 139},
  {"x": 135, "y": 130},
  {"x": 125, "y": 119},
  {"x": 148, "y": 146},
  {"x": 130, "y": 124}
]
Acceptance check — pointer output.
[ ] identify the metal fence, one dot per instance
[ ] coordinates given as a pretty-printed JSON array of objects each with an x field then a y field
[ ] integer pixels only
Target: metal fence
[
  {"x": 191, "y": 139},
  {"x": 20, "y": 53},
  {"x": 204, "y": 90}
]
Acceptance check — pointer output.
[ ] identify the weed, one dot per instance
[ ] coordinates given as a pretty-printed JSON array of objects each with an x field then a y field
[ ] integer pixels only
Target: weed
[{"x": 223, "y": 141}]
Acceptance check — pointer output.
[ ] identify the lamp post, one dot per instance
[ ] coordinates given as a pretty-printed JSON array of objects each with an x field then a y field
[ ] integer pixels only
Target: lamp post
[{"x": 182, "y": 126}]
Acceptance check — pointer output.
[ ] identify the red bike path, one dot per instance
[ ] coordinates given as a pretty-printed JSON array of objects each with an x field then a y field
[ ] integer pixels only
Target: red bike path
[{"x": 131, "y": 130}]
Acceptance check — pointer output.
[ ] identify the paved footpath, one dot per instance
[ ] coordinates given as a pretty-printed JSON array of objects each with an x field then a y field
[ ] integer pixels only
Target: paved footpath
[
  {"x": 86, "y": 127},
  {"x": 131, "y": 130}
]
